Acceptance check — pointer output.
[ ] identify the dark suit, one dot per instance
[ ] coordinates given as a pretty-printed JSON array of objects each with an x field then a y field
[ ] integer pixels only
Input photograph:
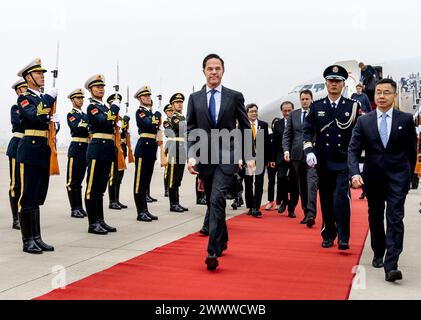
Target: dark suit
[
  {"x": 254, "y": 199},
  {"x": 306, "y": 176},
  {"x": 217, "y": 177},
  {"x": 287, "y": 181},
  {"x": 387, "y": 175}
]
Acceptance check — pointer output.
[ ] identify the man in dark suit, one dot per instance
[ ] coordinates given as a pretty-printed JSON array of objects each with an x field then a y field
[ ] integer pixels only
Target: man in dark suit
[
  {"x": 329, "y": 124},
  {"x": 293, "y": 152},
  {"x": 287, "y": 181},
  {"x": 389, "y": 140},
  {"x": 215, "y": 108},
  {"x": 254, "y": 198}
]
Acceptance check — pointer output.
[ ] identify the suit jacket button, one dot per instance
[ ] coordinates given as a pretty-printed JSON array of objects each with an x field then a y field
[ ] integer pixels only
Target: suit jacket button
[
  {"x": 327, "y": 134},
  {"x": 327, "y": 144},
  {"x": 339, "y": 135},
  {"x": 339, "y": 145}
]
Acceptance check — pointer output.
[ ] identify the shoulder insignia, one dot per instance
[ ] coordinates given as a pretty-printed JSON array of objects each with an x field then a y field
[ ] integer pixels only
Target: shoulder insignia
[
  {"x": 24, "y": 103},
  {"x": 94, "y": 111},
  {"x": 142, "y": 114},
  {"x": 72, "y": 119},
  {"x": 176, "y": 120},
  {"x": 25, "y": 93}
]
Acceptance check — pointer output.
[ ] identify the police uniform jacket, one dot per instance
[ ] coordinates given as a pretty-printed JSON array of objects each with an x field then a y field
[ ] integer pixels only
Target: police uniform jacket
[
  {"x": 332, "y": 128},
  {"x": 12, "y": 148},
  {"x": 147, "y": 123},
  {"x": 102, "y": 120},
  {"x": 79, "y": 128},
  {"x": 34, "y": 112}
]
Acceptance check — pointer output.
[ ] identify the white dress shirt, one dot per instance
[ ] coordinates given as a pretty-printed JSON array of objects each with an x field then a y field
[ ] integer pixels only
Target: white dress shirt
[
  {"x": 217, "y": 97},
  {"x": 388, "y": 120},
  {"x": 336, "y": 102}
]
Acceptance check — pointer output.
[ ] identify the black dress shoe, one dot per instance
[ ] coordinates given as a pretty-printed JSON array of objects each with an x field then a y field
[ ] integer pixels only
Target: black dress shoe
[
  {"x": 77, "y": 214},
  {"x": 256, "y": 213},
  {"x": 96, "y": 228},
  {"x": 204, "y": 231},
  {"x": 292, "y": 215},
  {"x": 224, "y": 247},
  {"x": 149, "y": 199},
  {"x": 143, "y": 217},
  {"x": 176, "y": 208},
  {"x": 310, "y": 222},
  {"x": 343, "y": 245},
  {"x": 150, "y": 215},
  {"x": 123, "y": 206},
  {"x": 184, "y": 208},
  {"x": 83, "y": 212},
  {"x": 114, "y": 206},
  {"x": 377, "y": 262},
  {"x": 327, "y": 243},
  {"x": 152, "y": 199},
  {"x": 282, "y": 208},
  {"x": 304, "y": 221},
  {"x": 106, "y": 226},
  {"x": 166, "y": 194},
  {"x": 16, "y": 225},
  {"x": 393, "y": 275},
  {"x": 201, "y": 201},
  {"x": 211, "y": 262},
  {"x": 234, "y": 205},
  {"x": 31, "y": 247}
]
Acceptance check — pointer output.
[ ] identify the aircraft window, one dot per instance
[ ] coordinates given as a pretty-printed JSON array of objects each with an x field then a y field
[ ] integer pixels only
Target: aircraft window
[{"x": 318, "y": 87}]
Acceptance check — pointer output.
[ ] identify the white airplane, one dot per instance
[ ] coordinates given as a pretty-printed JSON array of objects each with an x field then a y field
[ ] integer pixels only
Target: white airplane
[{"x": 405, "y": 72}]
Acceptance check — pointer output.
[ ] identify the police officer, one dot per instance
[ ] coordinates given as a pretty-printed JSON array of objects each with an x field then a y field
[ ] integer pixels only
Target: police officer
[
  {"x": 331, "y": 121},
  {"x": 116, "y": 175},
  {"x": 100, "y": 154},
  {"x": 168, "y": 110},
  {"x": 77, "y": 121},
  {"x": 148, "y": 124},
  {"x": 20, "y": 87},
  {"x": 176, "y": 152},
  {"x": 33, "y": 155}
]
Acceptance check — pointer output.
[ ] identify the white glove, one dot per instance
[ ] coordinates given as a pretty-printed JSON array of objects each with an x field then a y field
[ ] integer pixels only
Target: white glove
[
  {"x": 55, "y": 118},
  {"x": 311, "y": 160},
  {"x": 116, "y": 102},
  {"x": 52, "y": 93}
]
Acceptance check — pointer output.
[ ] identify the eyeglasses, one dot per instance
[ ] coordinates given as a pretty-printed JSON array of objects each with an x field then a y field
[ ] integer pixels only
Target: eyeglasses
[{"x": 384, "y": 93}]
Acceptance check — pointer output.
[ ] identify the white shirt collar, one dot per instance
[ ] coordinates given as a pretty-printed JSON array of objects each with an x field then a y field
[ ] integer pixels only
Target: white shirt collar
[
  {"x": 379, "y": 113},
  {"x": 218, "y": 88},
  {"x": 77, "y": 110},
  {"x": 93, "y": 99},
  {"x": 35, "y": 91},
  {"x": 336, "y": 102}
]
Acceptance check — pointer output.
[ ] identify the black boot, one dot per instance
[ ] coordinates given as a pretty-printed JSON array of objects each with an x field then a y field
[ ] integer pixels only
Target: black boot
[
  {"x": 113, "y": 201},
  {"x": 117, "y": 197},
  {"x": 36, "y": 227},
  {"x": 177, "y": 192},
  {"x": 14, "y": 206},
  {"x": 150, "y": 215},
  {"x": 29, "y": 244},
  {"x": 174, "y": 206},
  {"x": 149, "y": 198},
  {"x": 75, "y": 213},
  {"x": 79, "y": 205},
  {"x": 100, "y": 215},
  {"x": 94, "y": 226}
]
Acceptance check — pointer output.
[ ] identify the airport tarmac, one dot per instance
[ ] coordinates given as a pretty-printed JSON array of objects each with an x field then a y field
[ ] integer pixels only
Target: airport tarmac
[{"x": 25, "y": 276}]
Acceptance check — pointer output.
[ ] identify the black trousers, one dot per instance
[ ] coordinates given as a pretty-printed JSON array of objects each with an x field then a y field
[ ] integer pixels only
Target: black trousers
[
  {"x": 116, "y": 176},
  {"x": 34, "y": 186},
  {"x": 271, "y": 183},
  {"x": 14, "y": 169},
  {"x": 98, "y": 174},
  {"x": 307, "y": 186},
  {"x": 386, "y": 194},
  {"x": 142, "y": 181},
  {"x": 254, "y": 197},
  {"x": 287, "y": 186},
  {"x": 335, "y": 201},
  {"x": 217, "y": 185},
  {"x": 175, "y": 174},
  {"x": 76, "y": 169}
]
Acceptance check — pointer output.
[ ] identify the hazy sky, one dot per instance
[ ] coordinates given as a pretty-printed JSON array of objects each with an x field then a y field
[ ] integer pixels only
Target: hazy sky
[{"x": 268, "y": 46}]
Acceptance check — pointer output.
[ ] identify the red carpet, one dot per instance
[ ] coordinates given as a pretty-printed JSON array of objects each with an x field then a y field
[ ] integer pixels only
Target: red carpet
[{"x": 271, "y": 258}]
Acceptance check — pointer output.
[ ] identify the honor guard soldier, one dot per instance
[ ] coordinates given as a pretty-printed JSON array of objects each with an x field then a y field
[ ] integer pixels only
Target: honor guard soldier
[
  {"x": 331, "y": 121},
  {"x": 116, "y": 176},
  {"x": 168, "y": 110},
  {"x": 100, "y": 154},
  {"x": 33, "y": 155},
  {"x": 177, "y": 152},
  {"x": 20, "y": 87},
  {"x": 77, "y": 121},
  {"x": 148, "y": 124}
]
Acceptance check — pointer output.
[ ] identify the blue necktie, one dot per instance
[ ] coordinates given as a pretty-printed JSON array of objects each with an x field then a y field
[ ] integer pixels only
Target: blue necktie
[
  {"x": 383, "y": 129},
  {"x": 212, "y": 107},
  {"x": 333, "y": 105}
]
